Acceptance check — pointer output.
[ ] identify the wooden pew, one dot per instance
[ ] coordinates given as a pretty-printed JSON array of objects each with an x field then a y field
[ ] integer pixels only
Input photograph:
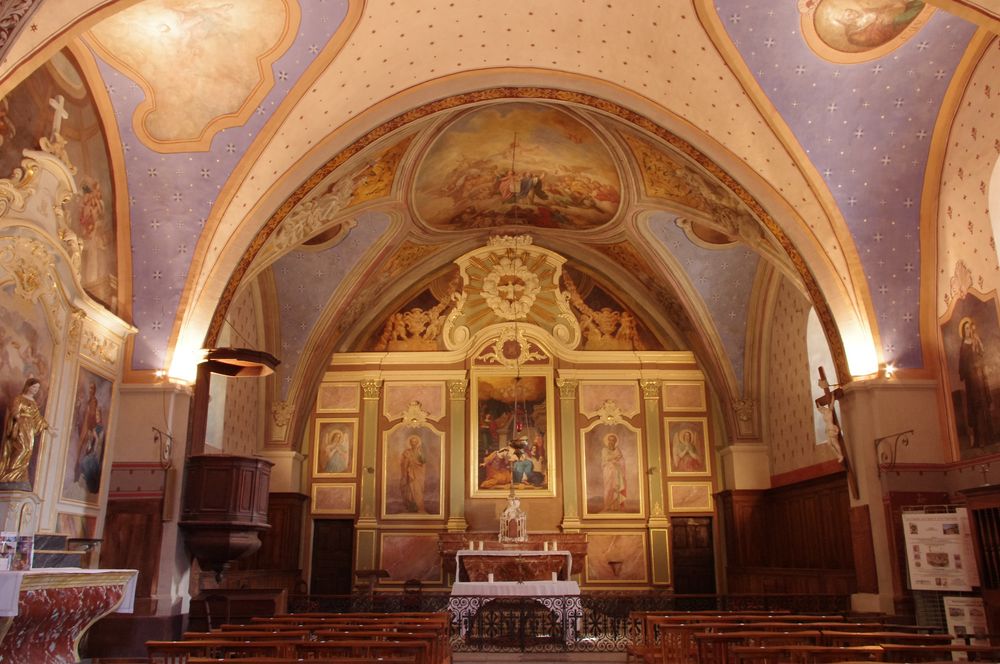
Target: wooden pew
[
  {"x": 714, "y": 647},
  {"x": 391, "y": 632},
  {"x": 417, "y": 649},
  {"x": 803, "y": 653},
  {"x": 178, "y": 652},
  {"x": 285, "y": 660},
  {"x": 897, "y": 652},
  {"x": 248, "y": 635}
]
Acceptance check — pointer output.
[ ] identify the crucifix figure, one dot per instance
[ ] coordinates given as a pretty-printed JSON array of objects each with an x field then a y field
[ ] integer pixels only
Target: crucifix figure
[
  {"x": 58, "y": 104},
  {"x": 825, "y": 405}
]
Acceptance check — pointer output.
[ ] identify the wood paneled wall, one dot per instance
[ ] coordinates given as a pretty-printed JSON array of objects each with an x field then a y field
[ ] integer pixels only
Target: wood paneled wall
[
  {"x": 774, "y": 536},
  {"x": 123, "y": 549},
  {"x": 280, "y": 548}
]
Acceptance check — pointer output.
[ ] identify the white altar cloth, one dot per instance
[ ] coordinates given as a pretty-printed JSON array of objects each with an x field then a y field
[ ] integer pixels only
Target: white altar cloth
[
  {"x": 515, "y": 589},
  {"x": 562, "y": 598},
  {"x": 10, "y": 586}
]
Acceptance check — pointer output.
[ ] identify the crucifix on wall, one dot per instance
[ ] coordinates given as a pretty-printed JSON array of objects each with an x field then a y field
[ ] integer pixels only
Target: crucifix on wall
[{"x": 834, "y": 436}]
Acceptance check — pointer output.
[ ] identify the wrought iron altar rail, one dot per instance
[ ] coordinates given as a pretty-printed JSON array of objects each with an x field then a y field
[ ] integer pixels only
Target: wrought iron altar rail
[{"x": 602, "y": 621}]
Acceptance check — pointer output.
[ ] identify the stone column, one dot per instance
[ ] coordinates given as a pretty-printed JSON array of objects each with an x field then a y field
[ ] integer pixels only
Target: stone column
[
  {"x": 367, "y": 524},
  {"x": 659, "y": 523},
  {"x": 570, "y": 463},
  {"x": 457, "y": 391}
]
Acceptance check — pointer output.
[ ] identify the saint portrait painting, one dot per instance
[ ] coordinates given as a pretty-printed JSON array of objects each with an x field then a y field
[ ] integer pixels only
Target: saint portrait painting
[
  {"x": 971, "y": 339},
  {"x": 87, "y": 438},
  {"x": 412, "y": 468},
  {"x": 687, "y": 448},
  {"x": 612, "y": 471}
]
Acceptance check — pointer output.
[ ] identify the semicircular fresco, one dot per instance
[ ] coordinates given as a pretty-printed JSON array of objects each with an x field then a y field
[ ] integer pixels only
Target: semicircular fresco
[{"x": 517, "y": 163}]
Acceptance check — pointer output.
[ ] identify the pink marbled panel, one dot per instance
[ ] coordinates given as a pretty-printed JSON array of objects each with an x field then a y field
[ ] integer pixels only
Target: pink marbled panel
[
  {"x": 339, "y": 397},
  {"x": 593, "y": 396},
  {"x": 628, "y": 549},
  {"x": 399, "y": 396},
  {"x": 50, "y": 622},
  {"x": 411, "y": 557}
]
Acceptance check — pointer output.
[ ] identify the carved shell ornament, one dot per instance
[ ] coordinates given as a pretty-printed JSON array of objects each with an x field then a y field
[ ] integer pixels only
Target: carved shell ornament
[{"x": 510, "y": 288}]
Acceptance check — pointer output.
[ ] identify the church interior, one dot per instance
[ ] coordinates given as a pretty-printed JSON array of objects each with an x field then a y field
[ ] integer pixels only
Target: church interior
[{"x": 302, "y": 295}]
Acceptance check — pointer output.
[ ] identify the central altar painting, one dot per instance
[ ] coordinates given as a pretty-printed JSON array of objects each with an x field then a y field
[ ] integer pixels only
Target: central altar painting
[{"x": 512, "y": 444}]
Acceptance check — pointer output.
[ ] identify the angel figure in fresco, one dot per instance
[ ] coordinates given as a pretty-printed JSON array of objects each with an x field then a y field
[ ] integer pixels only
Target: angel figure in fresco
[
  {"x": 24, "y": 422},
  {"x": 871, "y": 27},
  {"x": 337, "y": 452},
  {"x": 413, "y": 475},
  {"x": 613, "y": 470},
  {"x": 686, "y": 452}
]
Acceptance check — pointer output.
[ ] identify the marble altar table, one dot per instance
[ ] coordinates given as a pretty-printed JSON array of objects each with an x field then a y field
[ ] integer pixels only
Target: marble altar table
[
  {"x": 45, "y": 612},
  {"x": 507, "y": 565}
]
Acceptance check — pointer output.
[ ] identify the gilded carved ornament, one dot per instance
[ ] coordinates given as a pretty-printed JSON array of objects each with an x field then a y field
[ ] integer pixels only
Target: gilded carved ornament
[
  {"x": 371, "y": 388},
  {"x": 512, "y": 280},
  {"x": 610, "y": 413},
  {"x": 414, "y": 414},
  {"x": 511, "y": 349},
  {"x": 281, "y": 413},
  {"x": 457, "y": 389},
  {"x": 30, "y": 263},
  {"x": 567, "y": 387},
  {"x": 650, "y": 388}
]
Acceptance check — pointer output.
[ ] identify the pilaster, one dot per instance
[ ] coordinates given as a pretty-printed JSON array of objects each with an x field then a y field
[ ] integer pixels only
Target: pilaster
[
  {"x": 457, "y": 396},
  {"x": 570, "y": 463}
]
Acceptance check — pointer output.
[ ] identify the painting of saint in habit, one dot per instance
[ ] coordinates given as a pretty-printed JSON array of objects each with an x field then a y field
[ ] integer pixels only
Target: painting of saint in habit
[
  {"x": 854, "y": 26},
  {"x": 517, "y": 163},
  {"x": 971, "y": 338},
  {"x": 512, "y": 443}
]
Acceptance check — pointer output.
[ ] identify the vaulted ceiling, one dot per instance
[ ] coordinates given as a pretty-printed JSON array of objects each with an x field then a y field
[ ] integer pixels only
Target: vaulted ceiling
[{"x": 312, "y": 143}]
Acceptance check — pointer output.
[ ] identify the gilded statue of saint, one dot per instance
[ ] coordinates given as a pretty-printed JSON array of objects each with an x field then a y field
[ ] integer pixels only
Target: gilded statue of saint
[{"x": 23, "y": 423}]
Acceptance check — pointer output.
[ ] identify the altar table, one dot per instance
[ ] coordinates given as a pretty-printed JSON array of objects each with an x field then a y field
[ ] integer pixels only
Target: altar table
[
  {"x": 507, "y": 565},
  {"x": 560, "y": 597},
  {"x": 45, "y": 612}
]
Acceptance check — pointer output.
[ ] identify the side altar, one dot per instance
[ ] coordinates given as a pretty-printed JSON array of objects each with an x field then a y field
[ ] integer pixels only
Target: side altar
[{"x": 45, "y": 612}]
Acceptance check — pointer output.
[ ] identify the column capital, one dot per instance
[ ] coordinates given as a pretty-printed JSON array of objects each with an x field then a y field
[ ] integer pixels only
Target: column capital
[
  {"x": 371, "y": 388},
  {"x": 650, "y": 388},
  {"x": 567, "y": 387},
  {"x": 457, "y": 389}
]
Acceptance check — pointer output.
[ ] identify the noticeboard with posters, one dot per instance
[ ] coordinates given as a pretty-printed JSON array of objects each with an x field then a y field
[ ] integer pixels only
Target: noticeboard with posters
[{"x": 939, "y": 551}]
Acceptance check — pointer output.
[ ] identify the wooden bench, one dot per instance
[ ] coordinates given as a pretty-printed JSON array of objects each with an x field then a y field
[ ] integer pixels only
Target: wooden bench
[{"x": 418, "y": 650}]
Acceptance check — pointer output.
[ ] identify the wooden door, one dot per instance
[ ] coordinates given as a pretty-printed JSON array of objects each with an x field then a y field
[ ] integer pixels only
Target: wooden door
[
  {"x": 132, "y": 532},
  {"x": 332, "y": 553},
  {"x": 693, "y": 554}
]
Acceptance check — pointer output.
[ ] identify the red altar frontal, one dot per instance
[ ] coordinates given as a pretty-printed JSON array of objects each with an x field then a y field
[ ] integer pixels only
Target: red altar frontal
[{"x": 45, "y": 612}]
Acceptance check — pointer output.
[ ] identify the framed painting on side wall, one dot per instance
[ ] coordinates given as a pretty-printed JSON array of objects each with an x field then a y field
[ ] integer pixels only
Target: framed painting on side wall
[
  {"x": 687, "y": 446},
  {"x": 87, "y": 439},
  {"x": 335, "y": 447}
]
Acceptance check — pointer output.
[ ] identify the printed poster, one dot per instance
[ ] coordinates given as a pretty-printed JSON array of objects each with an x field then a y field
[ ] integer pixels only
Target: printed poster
[{"x": 939, "y": 551}]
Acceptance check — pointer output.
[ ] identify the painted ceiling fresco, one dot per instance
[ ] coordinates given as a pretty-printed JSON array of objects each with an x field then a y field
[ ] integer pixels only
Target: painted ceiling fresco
[
  {"x": 172, "y": 194},
  {"x": 866, "y": 127},
  {"x": 517, "y": 163},
  {"x": 273, "y": 89}
]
